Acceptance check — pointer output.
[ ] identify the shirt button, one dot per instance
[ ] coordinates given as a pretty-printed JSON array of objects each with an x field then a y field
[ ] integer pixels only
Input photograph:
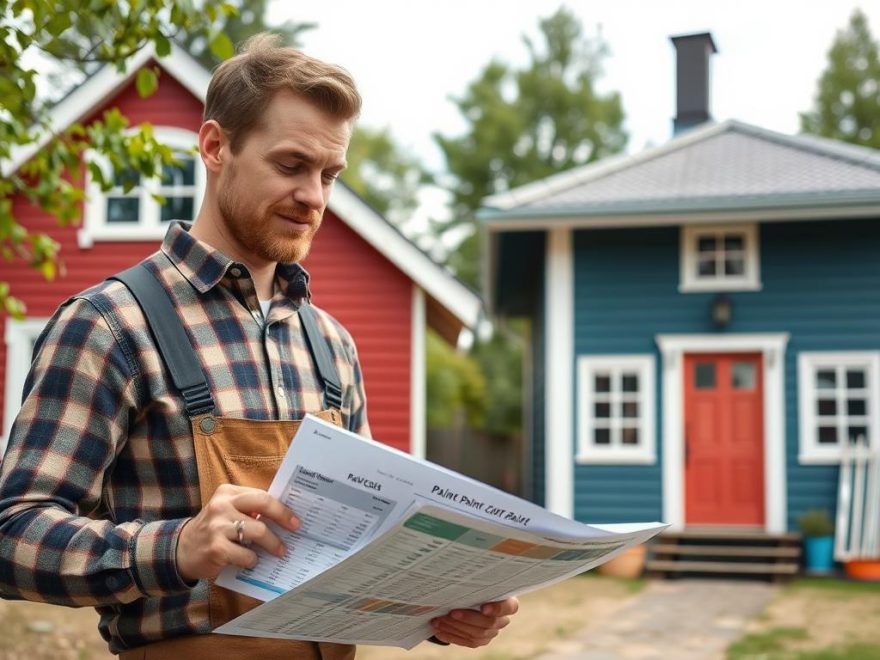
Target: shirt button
[
  {"x": 235, "y": 271},
  {"x": 280, "y": 391}
]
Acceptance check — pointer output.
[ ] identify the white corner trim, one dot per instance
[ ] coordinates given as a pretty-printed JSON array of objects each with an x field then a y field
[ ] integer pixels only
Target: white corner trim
[
  {"x": 417, "y": 390},
  {"x": 559, "y": 374},
  {"x": 772, "y": 348},
  {"x": 432, "y": 278},
  {"x": 19, "y": 338}
]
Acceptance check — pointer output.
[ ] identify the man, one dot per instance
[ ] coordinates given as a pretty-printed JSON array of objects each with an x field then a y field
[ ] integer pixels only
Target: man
[{"x": 117, "y": 491}]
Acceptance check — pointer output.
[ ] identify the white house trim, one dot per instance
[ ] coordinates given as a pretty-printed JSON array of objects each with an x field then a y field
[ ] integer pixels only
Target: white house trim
[
  {"x": 772, "y": 348},
  {"x": 559, "y": 374},
  {"x": 617, "y": 453},
  {"x": 19, "y": 338},
  {"x": 689, "y": 282},
  {"x": 810, "y": 451},
  {"x": 432, "y": 278},
  {"x": 417, "y": 396},
  {"x": 106, "y": 82},
  {"x": 95, "y": 227},
  {"x": 664, "y": 219}
]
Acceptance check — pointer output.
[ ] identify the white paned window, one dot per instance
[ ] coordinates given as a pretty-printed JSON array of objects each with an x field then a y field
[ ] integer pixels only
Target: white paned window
[
  {"x": 616, "y": 414},
  {"x": 20, "y": 339},
  {"x": 838, "y": 399},
  {"x": 137, "y": 213},
  {"x": 722, "y": 258}
]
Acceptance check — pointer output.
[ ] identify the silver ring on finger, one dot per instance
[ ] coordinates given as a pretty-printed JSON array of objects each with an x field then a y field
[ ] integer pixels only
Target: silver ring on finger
[{"x": 239, "y": 532}]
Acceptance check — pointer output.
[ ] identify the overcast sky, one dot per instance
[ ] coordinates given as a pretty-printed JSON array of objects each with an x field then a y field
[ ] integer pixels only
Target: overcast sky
[{"x": 409, "y": 56}]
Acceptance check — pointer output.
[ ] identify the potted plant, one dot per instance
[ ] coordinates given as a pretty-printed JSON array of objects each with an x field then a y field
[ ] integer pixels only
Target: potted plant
[{"x": 818, "y": 530}]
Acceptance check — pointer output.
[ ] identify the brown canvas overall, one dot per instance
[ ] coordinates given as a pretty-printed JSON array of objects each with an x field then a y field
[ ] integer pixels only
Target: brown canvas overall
[{"x": 243, "y": 452}]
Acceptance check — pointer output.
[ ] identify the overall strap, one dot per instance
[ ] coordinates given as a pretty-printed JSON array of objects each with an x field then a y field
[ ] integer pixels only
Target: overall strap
[
  {"x": 179, "y": 355},
  {"x": 173, "y": 342},
  {"x": 321, "y": 355}
]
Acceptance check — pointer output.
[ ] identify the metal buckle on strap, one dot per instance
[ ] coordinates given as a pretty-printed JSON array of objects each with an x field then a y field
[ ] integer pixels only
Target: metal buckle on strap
[
  {"x": 197, "y": 399},
  {"x": 332, "y": 395}
]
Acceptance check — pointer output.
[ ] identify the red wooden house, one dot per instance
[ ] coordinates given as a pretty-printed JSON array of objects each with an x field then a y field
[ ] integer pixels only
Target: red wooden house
[{"x": 364, "y": 271}]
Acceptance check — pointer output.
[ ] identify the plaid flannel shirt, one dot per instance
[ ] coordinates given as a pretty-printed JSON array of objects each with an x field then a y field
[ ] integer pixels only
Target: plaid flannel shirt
[{"x": 100, "y": 474}]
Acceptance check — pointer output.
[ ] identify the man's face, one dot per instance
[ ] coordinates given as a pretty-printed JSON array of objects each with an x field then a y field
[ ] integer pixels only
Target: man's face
[{"x": 273, "y": 192}]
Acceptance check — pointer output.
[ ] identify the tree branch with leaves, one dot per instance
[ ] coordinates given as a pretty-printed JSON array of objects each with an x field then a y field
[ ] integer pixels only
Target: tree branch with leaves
[{"x": 100, "y": 32}]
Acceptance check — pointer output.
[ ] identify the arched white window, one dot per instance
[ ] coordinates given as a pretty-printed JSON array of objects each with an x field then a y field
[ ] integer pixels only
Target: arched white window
[{"x": 137, "y": 215}]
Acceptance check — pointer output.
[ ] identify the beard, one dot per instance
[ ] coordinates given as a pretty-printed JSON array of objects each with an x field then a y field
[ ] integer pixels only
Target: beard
[{"x": 264, "y": 234}]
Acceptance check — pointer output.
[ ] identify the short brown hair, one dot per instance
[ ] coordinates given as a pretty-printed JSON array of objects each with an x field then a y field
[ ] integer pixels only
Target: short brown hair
[{"x": 243, "y": 86}]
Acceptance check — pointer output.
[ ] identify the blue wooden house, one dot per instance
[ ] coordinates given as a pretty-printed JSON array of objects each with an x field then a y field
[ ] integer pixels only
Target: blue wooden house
[{"x": 705, "y": 321}]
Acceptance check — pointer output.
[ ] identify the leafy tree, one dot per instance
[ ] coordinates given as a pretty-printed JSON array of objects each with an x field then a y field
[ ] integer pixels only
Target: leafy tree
[
  {"x": 523, "y": 125},
  {"x": 383, "y": 174},
  {"x": 847, "y": 102},
  {"x": 530, "y": 123},
  {"x": 115, "y": 30},
  {"x": 455, "y": 386},
  {"x": 248, "y": 20}
]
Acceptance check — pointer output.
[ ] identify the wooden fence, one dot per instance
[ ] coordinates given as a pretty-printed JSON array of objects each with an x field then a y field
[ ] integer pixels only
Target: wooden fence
[{"x": 492, "y": 459}]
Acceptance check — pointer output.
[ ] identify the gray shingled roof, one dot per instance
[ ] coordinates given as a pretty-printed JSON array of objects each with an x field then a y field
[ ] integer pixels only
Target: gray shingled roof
[{"x": 728, "y": 166}]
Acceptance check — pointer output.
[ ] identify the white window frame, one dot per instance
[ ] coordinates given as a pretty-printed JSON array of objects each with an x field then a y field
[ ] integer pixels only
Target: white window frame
[
  {"x": 149, "y": 227},
  {"x": 690, "y": 282},
  {"x": 20, "y": 336},
  {"x": 810, "y": 450},
  {"x": 643, "y": 453}
]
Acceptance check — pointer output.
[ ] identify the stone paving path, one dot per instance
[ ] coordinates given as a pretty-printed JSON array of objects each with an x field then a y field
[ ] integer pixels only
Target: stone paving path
[{"x": 680, "y": 620}]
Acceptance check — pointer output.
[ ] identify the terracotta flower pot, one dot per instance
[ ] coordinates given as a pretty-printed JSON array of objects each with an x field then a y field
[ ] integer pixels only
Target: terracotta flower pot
[
  {"x": 863, "y": 569},
  {"x": 628, "y": 564}
]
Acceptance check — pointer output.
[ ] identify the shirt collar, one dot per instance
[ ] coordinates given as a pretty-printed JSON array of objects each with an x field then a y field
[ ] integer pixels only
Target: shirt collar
[{"x": 204, "y": 266}]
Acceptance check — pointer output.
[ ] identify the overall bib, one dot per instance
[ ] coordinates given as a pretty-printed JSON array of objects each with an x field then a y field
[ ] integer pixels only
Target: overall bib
[{"x": 242, "y": 452}]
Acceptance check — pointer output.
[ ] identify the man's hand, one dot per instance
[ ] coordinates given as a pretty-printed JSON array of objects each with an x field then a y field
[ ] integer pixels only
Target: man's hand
[
  {"x": 472, "y": 629},
  {"x": 209, "y": 542}
]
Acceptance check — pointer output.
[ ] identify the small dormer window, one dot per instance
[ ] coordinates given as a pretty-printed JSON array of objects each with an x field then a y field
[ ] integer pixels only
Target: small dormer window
[
  {"x": 720, "y": 258},
  {"x": 144, "y": 210}
]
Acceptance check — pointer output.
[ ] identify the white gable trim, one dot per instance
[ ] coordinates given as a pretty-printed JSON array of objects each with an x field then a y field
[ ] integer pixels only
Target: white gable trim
[
  {"x": 106, "y": 82},
  {"x": 435, "y": 280},
  {"x": 432, "y": 278},
  {"x": 772, "y": 348},
  {"x": 559, "y": 374}
]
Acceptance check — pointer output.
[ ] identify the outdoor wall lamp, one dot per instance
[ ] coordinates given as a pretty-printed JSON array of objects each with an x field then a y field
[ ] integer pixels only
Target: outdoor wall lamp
[{"x": 722, "y": 311}]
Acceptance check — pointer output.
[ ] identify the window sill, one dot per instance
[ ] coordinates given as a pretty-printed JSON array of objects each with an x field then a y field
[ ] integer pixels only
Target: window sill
[
  {"x": 616, "y": 458},
  {"x": 711, "y": 287}
]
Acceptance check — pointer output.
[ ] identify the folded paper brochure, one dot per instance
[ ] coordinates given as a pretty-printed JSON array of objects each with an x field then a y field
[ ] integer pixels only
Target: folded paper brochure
[{"x": 388, "y": 542}]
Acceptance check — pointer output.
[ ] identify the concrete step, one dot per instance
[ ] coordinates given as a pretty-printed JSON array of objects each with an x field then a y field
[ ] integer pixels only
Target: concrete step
[{"x": 732, "y": 534}]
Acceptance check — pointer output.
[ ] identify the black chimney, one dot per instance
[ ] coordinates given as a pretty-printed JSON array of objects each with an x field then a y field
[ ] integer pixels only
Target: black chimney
[{"x": 692, "y": 79}]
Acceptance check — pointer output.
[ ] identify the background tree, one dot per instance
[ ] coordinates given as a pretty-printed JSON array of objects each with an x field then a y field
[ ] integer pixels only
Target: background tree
[
  {"x": 527, "y": 124},
  {"x": 33, "y": 29},
  {"x": 384, "y": 174},
  {"x": 523, "y": 125},
  {"x": 249, "y": 19},
  {"x": 847, "y": 102}
]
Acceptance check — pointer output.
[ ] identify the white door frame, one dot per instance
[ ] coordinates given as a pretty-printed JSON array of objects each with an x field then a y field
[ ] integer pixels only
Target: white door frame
[{"x": 772, "y": 348}]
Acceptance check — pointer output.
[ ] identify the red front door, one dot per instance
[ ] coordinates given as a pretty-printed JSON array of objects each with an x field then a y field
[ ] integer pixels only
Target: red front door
[{"x": 724, "y": 440}]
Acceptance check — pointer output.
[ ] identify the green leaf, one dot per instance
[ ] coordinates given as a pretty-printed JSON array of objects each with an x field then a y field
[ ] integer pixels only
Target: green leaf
[
  {"x": 163, "y": 45},
  {"x": 58, "y": 23},
  {"x": 147, "y": 81},
  {"x": 221, "y": 46}
]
